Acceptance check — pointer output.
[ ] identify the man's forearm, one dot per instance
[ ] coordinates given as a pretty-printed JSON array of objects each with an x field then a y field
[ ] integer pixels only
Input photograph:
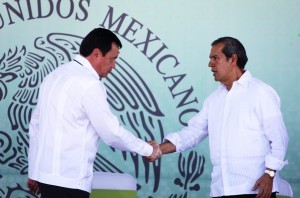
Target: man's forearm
[{"x": 167, "y": 147}]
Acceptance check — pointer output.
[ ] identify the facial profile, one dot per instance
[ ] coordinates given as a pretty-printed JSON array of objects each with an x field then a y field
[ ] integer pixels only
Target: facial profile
[
  {"x": 105, "y": 64},
  {"x": 220, "y": 65}
]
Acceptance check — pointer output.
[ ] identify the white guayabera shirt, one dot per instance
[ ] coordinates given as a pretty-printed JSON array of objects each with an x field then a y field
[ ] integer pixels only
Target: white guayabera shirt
[
  {"x": 246, "y": 134},
  {"x": 71, "y": 116}
]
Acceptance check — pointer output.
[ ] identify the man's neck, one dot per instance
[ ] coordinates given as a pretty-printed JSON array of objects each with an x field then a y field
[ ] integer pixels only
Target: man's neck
[{"x": 235, "y": 77}]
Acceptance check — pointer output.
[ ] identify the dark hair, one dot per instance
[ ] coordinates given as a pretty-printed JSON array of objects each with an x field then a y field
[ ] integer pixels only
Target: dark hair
[
  {"x": 233, "y": 46},
  {"x": 98, "y": 38}
]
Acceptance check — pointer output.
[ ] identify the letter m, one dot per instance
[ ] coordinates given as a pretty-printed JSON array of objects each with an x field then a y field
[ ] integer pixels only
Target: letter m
[{"x": 111, "y": 23}]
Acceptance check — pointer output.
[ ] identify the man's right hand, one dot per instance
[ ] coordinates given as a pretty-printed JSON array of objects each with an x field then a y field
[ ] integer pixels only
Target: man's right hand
[
  {"x": 156, "y": 154},
  {"x": 33, "y": 186}
]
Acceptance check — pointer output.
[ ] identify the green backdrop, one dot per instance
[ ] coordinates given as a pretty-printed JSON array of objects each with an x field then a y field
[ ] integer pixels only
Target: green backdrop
[{"x": 163, "y": 63}]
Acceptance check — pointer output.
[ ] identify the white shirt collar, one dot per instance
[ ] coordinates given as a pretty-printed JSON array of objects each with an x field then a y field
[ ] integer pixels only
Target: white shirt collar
[
  {"x": 85, "y": 63},
  {"x": 243, "y": 80}
]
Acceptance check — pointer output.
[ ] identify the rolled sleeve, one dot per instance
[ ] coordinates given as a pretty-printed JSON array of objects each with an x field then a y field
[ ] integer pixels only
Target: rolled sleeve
[
  {"x": 277, "y": 135},
  {"x": 274, "y": 129},
  {"x": 274, "y": 163}
]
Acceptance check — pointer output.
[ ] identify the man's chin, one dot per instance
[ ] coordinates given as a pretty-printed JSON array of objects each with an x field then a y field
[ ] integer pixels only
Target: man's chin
[{"x": 103, "y": 75}]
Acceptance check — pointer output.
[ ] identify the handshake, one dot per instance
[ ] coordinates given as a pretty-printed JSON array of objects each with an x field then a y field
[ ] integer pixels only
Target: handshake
[{"x": 156, "y": 154}]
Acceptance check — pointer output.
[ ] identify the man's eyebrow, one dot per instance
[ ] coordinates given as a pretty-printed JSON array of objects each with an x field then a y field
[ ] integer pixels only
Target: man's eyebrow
[{"x": 213, "y": 56}]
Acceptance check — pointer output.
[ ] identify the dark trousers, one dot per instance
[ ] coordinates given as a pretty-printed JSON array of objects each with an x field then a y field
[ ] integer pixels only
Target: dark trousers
[
  {"x": 246, "y": 196},
  {"x": 50, "y": 191}
]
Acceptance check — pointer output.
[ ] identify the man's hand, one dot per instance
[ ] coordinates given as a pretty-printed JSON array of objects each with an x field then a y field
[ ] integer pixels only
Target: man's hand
[
  {"x": 33, "y": 186},
  {"x": 156, "y": 154},
  {"x": 264, "y": 186}
]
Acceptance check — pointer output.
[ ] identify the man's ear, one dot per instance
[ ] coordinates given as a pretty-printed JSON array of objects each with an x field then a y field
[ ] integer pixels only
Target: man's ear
[
  {"x": 96, "y": 52},
  {"x": 234, "y": 58}
]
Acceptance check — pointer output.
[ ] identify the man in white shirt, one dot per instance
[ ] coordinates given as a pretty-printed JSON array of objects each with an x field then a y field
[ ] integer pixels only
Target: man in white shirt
[
  {"x": 71, "y": 116},
  {"x": 247, "y": 135}
]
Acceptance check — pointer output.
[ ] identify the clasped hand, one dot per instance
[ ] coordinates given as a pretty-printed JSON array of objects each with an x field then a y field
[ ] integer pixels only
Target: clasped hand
[{"x": 156, "y": 154}]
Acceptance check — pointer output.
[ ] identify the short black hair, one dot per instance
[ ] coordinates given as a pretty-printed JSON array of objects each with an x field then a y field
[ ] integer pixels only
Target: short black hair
[
  {"x": 233, "y": 46},
  {"x": 98, "y": 38}
]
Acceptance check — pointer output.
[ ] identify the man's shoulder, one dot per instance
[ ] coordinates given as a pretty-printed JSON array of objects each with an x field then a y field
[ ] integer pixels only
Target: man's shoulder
[
  {"x": 261, "y": 90},
  {"x": 260, "y": 85}
]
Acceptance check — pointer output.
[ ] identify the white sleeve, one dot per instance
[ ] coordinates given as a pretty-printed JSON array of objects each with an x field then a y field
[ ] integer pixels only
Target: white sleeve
[
  {"x": 33, "y": 143},
  {"x": 274, "y": 129},
  {"x": 191, "y": 135},
  {"x": 107, "y": 125}
]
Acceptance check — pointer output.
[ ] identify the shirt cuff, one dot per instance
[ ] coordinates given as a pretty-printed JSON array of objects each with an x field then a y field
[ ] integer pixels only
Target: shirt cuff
[
  {"x": 175, "y": 139},
  {"x": 274, "y": 163},
  {"x": 148, "y": 151}
]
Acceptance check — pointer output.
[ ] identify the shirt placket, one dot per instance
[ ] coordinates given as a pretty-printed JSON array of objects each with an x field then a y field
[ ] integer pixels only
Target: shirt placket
[{"x": 223, "y": 139}]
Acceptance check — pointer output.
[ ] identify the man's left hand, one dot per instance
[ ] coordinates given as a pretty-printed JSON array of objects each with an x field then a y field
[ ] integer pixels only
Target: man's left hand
[{"x": 264, "y": 186}]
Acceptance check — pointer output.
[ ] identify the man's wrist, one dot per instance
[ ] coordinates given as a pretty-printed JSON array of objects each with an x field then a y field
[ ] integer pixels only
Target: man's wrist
[{"x": 270, "y": 172}]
